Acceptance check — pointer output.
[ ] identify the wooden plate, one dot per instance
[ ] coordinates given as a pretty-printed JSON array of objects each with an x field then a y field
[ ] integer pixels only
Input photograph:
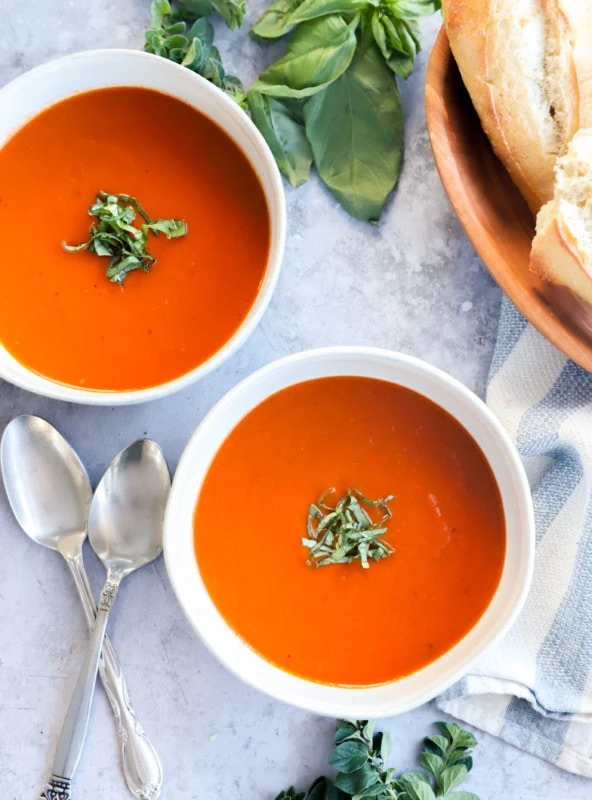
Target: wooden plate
[{"x": 491, "y": 210}]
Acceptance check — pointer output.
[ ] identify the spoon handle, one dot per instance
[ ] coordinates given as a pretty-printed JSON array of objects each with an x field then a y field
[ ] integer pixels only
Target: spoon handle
[
  {"x": 73, "y": 734},
  {"x": 140, "y": 763}
]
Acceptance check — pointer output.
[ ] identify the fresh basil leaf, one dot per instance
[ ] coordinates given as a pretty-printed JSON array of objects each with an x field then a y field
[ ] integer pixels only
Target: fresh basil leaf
[
  {"x": 231, "y": 11},
  {"x": 349, "y": 756},
  {"x": 101, "y": 248},
  {"x": 416, "y": 8},
  {"x": 355, "y": 128},
  {"x": 312, "y": 9},
  {"x": 118, "y": 270},
  {"x": 452, "y": 777},
  {"x": 172, "y": 228},
  {"x": 419, "y": 791},
  {"x": 398, "y": 41},
  {"x": 357, "y": 782},
  {"x": 284, "y": 135},
  {"x": 274, "y": 21},
  {"x": 319, "y": 52}
]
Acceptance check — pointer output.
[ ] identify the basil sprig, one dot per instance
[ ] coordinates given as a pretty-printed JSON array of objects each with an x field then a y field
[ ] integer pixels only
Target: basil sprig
[
  {"x": 183, "y": 33},
  {"x": 360, "y": 755},
  {"x": 333, "y": 100},
  {"x": 345, "y": 532},
  {"x": 114, "y": 235}
]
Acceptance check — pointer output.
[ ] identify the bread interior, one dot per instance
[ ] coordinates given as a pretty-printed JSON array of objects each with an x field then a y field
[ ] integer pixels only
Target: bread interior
[{"x": 573, "y": 195}]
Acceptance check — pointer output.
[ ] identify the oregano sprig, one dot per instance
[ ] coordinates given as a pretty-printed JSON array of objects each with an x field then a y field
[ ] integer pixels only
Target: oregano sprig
[
  {"x": 182, "y": 32},
  {"x": 359, "y": 757}
]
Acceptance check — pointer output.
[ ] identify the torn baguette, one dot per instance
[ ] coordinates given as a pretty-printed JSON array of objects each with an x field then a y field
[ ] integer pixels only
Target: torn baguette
[
  {"x": 527, "y": 65},
  {"x": 562, "y": 248}
]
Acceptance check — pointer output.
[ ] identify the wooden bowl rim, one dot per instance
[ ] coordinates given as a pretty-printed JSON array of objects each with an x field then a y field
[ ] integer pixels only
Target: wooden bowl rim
[{"x": 530, "y": 304}]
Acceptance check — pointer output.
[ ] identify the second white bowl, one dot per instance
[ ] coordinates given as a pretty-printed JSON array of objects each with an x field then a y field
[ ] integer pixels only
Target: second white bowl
[{"x": 413, "y": 690}]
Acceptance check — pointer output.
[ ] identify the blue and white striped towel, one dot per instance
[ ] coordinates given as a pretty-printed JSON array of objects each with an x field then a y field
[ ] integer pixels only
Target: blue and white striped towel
[{"x": 535, "y": 688}]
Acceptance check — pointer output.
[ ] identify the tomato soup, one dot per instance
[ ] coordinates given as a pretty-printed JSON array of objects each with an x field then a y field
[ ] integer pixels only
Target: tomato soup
[
  {"x": 59, "y": 315},
  {"x": 342, "y": 624}
]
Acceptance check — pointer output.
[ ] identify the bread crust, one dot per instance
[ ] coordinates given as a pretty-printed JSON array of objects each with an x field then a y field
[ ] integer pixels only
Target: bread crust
[
  {"x": 503, "y": 49},
  {"x": 578, "y": 19}
]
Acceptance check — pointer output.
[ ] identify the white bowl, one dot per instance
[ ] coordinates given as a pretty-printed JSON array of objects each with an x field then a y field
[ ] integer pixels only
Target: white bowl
[
  {"x": 43, "y": 86},
  {"x": 405, "y": 693}
]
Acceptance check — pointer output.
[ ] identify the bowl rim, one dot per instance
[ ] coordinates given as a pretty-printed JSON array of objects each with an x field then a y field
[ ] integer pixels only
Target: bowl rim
[
  {"x": 322, "y": 699},
  {"x": 441, "y": 129},
  {"x": 32, "y": 381}
]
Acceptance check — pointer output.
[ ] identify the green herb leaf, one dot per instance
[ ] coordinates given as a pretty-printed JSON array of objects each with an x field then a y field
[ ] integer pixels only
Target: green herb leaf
[
  {"x": 462, "y": 796},
  {"x": 347, "y": 730},
  {"x": 349, "y": 756},
  {"x": 284, "y": 134},
  {"x": 284, "y": 15},
  {"x": 419, "y": 791},
  {"x": 457, "y": 737},
  {"x": 448, "y": 757},
  {"x": 451, "y": 777},
  {"x": 114, "y": 235},
  {"x": 368, "y": 779},
  {"x": 381, "y": 742},
  {"x": 414, "y": 776},
  {"x": 231, "y": 11},
  {"x": 355, "y": 128},
  {"x": 191, "y": 9},
  {"x": 323, "y": 789},
  {"x": 319, "y": 52},
  {"x": 273, "y": 23},
  {"x": 159, "y": 9},
  {"x": 440, "y": 743},
  {"x": 357, "y": 782},
  {"x": 312, "y": 9},
  {"x": 346, "y": 533},
  {"x": 168, "y": 37},
  {"x": 433, "y": 763},
  {"x": 291, "y": 794}
]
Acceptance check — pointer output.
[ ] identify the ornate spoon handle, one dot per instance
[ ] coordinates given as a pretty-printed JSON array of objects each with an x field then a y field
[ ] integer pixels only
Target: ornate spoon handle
[{"x": 140, "y": 763}]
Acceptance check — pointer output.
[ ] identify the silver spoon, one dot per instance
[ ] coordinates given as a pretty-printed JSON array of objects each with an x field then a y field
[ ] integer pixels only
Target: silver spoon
[
  {"x": 49, "y": 493},
  {"x": 125, "y": 530}
]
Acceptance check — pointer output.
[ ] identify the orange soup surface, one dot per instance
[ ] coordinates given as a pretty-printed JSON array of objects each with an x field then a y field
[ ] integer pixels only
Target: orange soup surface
[
  {"x": 341, "y": 624},
  {"x": 59, "y": 315}
]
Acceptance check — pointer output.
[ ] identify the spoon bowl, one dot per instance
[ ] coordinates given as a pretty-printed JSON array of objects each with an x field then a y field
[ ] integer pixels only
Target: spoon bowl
[
  {"x": 46, "y": 484},
  {"x": 125, "y": 524}
]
